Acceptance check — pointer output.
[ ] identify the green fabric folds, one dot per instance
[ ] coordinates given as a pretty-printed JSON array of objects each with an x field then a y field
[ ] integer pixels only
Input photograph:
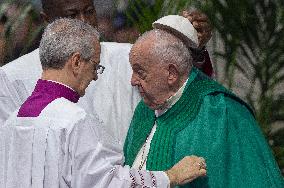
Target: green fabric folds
[{"x": 211, "y": 122}]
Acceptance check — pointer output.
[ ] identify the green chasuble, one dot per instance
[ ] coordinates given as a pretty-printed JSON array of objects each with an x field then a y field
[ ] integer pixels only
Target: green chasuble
[{"x": 211, "y": 122}]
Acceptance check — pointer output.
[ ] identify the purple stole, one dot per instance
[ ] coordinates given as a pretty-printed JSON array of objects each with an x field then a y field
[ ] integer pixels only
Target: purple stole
[{"x": 44, "y": 93}]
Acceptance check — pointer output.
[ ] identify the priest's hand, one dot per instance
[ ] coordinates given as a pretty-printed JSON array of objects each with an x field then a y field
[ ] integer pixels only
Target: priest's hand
[
  {"x": 201, "y": 23},
  {"x": 186, "y": 170}
]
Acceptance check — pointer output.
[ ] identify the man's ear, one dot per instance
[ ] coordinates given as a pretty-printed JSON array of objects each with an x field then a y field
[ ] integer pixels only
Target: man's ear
[
  {"x": 173, "y": 74},
  {"x": 45, "y": 17},
  {"x": 75, "y": 63}
]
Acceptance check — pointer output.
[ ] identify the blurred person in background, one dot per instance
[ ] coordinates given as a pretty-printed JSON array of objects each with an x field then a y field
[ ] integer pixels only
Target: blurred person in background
[{"x": 22, "y": 29}]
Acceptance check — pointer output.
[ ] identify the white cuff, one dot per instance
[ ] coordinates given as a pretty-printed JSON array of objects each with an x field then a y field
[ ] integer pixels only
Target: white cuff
[{"x": 162, "y": 179}]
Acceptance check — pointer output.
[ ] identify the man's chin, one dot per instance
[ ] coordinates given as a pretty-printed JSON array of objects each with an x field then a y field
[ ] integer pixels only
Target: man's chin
[
  {"x": 150, "y": 105},
  {"x": 82, "y": 93}
]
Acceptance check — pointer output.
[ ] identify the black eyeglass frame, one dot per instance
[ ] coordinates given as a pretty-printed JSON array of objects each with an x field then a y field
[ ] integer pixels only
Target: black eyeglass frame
[{"x": 100, "y": 69}]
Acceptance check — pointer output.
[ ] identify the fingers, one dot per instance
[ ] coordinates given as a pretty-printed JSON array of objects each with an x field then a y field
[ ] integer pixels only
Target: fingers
[
  {"x": 204, "y": 32},
  {"x": 195, "y": 16},
  {"x": 202, "y": 162},
  {"x": 188, "y": 169},
  {"x": 203, "y": 38},
  {"x": 198, "y": 16},
  {"x": 201, "y": 23},
  {"x": 202, "y": 172},
  {"x": 186, "y": 15},
  {"x": 197, "y": 169},
  {"x": 196, "y": 162},
  {"x": 202, "y": 26},
  {"x": 202, "y": 159},
  {"x": 202, "y": 165}
]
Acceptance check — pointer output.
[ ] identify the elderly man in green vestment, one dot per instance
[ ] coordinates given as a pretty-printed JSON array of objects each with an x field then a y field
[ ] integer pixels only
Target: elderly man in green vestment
[{"x": 183, "y": 112}]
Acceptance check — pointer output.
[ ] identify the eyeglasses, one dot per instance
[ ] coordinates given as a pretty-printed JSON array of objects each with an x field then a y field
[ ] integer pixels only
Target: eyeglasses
[{"x": 99, "y": 69}]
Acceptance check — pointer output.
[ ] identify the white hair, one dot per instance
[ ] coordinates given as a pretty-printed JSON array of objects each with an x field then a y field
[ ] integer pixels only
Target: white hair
[
  {"x": 170, "y": 49},
  {"x": 62, "y": 38}
]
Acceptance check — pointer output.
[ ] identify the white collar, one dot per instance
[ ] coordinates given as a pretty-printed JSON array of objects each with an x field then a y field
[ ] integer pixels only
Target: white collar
[
  {"x": 61, "y": 84},
  {"x": 171, "y": 101}
]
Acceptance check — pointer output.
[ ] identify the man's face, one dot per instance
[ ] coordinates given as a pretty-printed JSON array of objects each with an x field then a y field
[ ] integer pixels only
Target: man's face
[
  {"x": 149, "y": 75},
  {"x": 83, "y": 10},
  {"x": 88, "y": 71}
]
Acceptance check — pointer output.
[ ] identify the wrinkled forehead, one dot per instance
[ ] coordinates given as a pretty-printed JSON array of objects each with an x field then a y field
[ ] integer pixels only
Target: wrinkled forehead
[
  {"x": 138, "y": 50},
  {"x": 142, "y": 53},
  {"x": 144, "y": 45}
]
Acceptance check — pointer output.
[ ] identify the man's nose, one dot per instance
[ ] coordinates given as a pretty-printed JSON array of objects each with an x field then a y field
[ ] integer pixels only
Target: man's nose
[
  {"x": 134, "y": 80},
  {"x": 95, "y": 77}
]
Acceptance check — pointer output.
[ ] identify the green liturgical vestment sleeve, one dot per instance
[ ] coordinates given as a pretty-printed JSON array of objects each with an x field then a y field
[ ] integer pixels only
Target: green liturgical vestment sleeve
[{"x": 207, "y": 121}]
